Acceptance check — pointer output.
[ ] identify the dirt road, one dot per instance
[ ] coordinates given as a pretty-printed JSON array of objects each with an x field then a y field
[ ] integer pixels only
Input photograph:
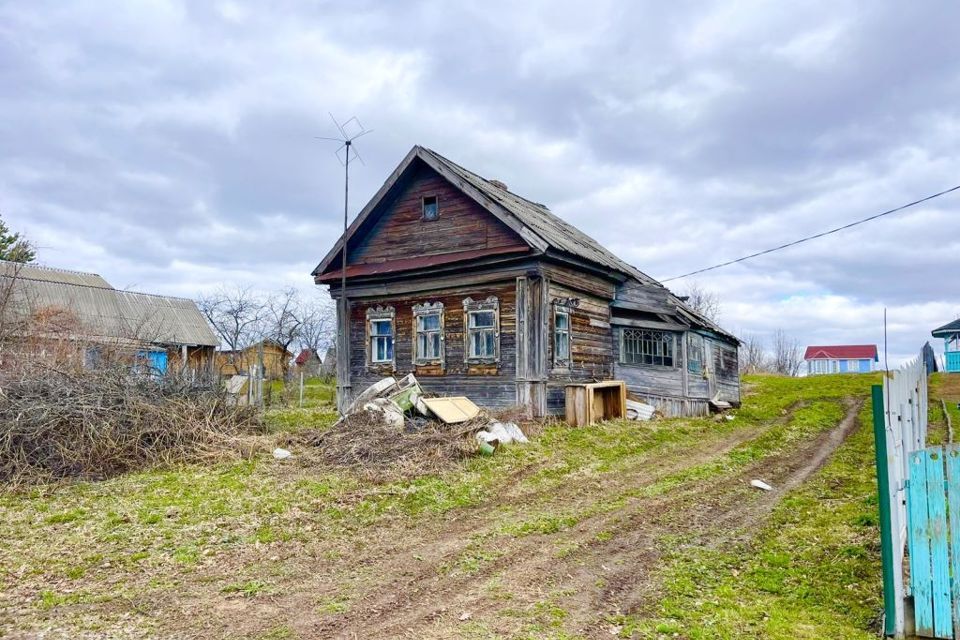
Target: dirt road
[{"x": 584, "y": 552}]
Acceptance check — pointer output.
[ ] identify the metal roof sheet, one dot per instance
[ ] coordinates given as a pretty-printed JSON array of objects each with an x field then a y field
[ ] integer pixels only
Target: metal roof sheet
[
  {"x": 105, "y": 312},
  {"x": 949, "y": 328},
  {"x": 842, "y": 352}
]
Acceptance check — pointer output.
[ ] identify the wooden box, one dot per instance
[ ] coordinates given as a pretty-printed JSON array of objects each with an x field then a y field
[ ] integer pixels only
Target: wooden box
[{"x": 595, "y": 401}]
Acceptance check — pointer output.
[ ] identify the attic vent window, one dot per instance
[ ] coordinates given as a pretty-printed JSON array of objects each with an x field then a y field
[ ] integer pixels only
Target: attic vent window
[{"x": 431, "y": 208}]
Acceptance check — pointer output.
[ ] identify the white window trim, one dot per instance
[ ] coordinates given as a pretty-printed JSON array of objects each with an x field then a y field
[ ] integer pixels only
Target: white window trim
[
  {"x": 673, "y": 350},
  {"x": 471, "y": 306},
  {"x": 561, "y": 361},
  {"x": 423, "y": 310},
  {"x": 381, "y": 314}
]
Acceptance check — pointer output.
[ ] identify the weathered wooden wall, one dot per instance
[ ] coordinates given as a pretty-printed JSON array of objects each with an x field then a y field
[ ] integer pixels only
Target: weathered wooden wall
[
  {"x": 490, "y": 385},
  {"x": 591, "y": 344},
  {"x": 726, "y": 371},
  {"x": 400, "y": 232}
]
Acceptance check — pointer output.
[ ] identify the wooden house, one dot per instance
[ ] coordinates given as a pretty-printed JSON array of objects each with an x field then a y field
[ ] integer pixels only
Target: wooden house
[
  {"x": 308, "y": 362},
  {"x": 950, "y": 333},
  {"x": 841, "y": 358},
  {"x": 79, "y": 314},
  {"x": 276, "y": 360},
  {"x": 480, "y": 292}
]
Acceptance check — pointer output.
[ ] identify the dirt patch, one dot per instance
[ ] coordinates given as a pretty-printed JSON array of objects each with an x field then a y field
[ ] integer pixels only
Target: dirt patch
[{"x": 601, "y": 566}]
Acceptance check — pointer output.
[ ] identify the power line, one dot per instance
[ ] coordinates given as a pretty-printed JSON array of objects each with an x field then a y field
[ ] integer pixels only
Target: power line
[{"x": 815, "y": 236}]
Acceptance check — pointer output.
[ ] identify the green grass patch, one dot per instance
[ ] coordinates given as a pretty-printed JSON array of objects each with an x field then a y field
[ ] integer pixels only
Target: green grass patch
[
  {"x": 812, "y": 572},
  {"x": 248, "y": 589}
]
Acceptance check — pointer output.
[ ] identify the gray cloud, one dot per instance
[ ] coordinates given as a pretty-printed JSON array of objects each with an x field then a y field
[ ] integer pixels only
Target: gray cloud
[{"x": 170, "y": 145}]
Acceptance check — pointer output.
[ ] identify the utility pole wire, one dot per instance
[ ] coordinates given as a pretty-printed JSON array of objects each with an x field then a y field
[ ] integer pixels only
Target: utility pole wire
[{"x": 815, "y": 236}]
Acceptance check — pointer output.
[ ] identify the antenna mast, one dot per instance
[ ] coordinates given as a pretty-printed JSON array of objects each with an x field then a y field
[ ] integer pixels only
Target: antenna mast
[{"x": 346, "y": 145}]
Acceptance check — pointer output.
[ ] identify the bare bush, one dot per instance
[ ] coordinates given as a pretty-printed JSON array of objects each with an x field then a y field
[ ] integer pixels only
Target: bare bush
[
  {"x": 61, "y": 421},
  {"x": 753, "y": 357},
  {"x": 319, "y": 328},
  {"x": 786, "y": 358}
]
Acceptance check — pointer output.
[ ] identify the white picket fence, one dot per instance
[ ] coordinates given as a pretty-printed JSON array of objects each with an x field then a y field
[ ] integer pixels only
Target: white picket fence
[{"x": 905, "y": 412}]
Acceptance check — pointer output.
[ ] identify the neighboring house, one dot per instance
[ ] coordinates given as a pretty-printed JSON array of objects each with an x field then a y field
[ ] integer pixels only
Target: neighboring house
[
  {"x": 480, "y": 292},
  {"x": 950, "y": 333},
  {"x": 276, "y": 360},
  {"x": 308, "y": 363},
  {"x": 45, "y": 306},
  {"x": 846, "y": 358}
]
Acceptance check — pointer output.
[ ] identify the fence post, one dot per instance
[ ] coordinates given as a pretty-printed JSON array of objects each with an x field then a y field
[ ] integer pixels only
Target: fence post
[{"x": 886, "y": 529}]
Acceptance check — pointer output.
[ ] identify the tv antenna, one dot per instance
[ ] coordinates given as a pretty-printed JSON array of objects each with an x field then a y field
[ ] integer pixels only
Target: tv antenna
[{"x": 349, "y": 131}]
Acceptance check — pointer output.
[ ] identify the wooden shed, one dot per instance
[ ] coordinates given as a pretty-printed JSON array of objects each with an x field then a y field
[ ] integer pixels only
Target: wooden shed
[{"x": 483, "y": 293}]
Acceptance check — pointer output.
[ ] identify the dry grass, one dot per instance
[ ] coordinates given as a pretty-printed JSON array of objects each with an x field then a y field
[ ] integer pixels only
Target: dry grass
[
  {"x": 364, "y": 443},
  {"x": 74, "y": 422}
]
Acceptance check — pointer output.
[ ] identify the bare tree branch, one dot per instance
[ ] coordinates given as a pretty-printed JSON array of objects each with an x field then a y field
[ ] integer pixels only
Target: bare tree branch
[
  {"x": 704, "y": 302},
  {"x": 235, "y": 315}
]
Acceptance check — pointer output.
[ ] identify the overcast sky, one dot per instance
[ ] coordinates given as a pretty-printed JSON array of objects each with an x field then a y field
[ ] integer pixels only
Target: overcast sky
[{"x": 169, "y": 146}]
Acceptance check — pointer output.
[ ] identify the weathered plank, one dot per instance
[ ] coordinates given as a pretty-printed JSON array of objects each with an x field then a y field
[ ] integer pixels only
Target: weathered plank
[
  {"x": 919, "y": 540},
  {"x": 952, "y": 455},
  {"x": 937, "y": 514}
]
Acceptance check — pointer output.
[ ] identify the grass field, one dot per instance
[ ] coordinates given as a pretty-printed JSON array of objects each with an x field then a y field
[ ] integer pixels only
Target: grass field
[{"x": 642, "y": 530}]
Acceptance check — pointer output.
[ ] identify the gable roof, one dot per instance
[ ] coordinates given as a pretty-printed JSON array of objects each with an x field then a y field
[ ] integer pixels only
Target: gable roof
[
  {"x": 104, "y": 312},
  {"x": 949, "y": 328},
  {"x": 540, "y": 229},
  {"x": 305, "y": 356},
  {"x": 533, "y": 222},
  {"x": 842, "y": 352}
]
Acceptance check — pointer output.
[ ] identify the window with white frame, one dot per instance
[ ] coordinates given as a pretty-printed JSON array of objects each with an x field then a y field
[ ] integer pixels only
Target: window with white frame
[
  {"x": 428, "y": 333},
  {"x": 380, "y": 324},
  {"x": 694, "y": 353},
  {"x": 561, "y": 336},
  {"x": 482, "y": 319},
  {"x": 647, "y": 346},
  {"x": 853, "y": 366}
]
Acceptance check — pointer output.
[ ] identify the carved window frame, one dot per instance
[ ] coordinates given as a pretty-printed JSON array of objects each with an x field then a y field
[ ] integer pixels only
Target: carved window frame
[
  {"x": 422, "y": 311},
  {"x": 471, "y": 307},
  {"x": 649, "y": 338},
  {"x": 563, "y": 307},
  {"x": 379, "y": 314}
]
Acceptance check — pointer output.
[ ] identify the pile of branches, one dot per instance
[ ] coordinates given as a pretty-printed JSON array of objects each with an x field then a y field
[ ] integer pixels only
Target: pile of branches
[
  {"x": 76, "y": 422},
  {"x": 365, "y": 442}
]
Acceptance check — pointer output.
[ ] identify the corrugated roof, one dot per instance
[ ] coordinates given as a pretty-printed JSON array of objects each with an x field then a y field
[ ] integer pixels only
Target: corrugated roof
[
  {"x": 52, "y": 274},
  {"x": 105, "y": 312},
  {"x": 950, "y": 327},
  {"x": 842, "y": 352}
]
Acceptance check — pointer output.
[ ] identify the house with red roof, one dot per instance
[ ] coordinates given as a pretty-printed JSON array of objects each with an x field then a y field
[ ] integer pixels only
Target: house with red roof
[{"x": 841, "y": 358}]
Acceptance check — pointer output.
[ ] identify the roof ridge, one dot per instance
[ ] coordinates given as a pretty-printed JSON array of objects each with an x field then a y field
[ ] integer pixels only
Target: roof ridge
[
  {"x": 569, "y": 226},
  {"x": 44, "y": 267},
  {"x": 90, "y": 286}
]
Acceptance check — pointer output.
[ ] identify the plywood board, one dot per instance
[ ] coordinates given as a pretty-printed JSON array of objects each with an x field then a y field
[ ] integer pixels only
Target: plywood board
[{"x": 452, "y": 410}]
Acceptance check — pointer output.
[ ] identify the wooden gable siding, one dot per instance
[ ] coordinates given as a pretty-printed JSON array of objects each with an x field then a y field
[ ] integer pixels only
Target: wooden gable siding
[
  {"x": 400, "y": 232},
  {"x": 591, "y": 343},
  {"x": 644, "y": 296},
  {"x": 489, "y": 385}
]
